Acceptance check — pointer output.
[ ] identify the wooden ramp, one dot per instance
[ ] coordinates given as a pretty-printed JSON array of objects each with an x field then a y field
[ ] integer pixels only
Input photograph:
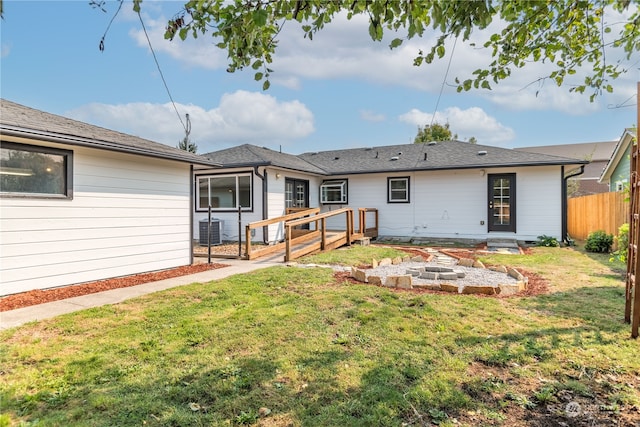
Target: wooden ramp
[{"x": 306, "y": 232}]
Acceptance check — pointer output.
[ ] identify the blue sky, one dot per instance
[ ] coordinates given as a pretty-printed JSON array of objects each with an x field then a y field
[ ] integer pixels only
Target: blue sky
[{"x": 340, "y": 90}]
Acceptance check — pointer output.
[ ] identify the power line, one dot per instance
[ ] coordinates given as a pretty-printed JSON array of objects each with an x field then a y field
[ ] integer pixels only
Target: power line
[
  {"x": 444, "y": 80},
  {"x": 100, "y": 4},
  {"x": 162, "y": 75}
]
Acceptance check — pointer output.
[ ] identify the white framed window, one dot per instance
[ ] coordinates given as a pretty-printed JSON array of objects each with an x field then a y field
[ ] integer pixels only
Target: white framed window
[
  {"x": 35, "y": 172},
  {"x": 333, "y": 192},
  {"x": 224, "y": 192},
  {"x": 398, "y": 189},
  {"x": 620, "y": 185}
]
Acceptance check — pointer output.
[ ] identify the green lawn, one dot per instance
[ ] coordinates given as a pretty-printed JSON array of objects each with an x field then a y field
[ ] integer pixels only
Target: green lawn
[{"x": 291, "y": 346}]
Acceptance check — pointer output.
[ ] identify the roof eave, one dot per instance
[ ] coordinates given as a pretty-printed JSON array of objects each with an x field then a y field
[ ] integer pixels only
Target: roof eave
[
  {"x": 442, "y": 168},
  {"x": 621, "y": 147},
  {"x": 99, "y": 144}
]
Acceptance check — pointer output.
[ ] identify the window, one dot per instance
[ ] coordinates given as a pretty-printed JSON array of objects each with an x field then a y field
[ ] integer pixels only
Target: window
[
  {"x": 620, "y": 185},
  {"x": 333, "y": 192},
  {"x": 33, "y": 171},
  {"x": 398, "y": 190},
  {"x": 224, "y": 192}
]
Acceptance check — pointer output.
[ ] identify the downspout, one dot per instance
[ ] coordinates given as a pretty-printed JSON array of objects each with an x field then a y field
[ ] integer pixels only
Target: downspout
[
  {"x": 265, "y": 188},
  {"x": 192, "y": 210},
  {"x": 565, "y": 179}
]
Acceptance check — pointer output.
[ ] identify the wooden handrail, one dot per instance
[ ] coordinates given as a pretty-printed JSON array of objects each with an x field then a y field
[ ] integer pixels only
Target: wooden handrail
[
  {"x": 317, "y": 217},
  {"x": 288, "y": 217},
  {"x": 266, "y": 222},
  {"x": 325, "y": 242}
]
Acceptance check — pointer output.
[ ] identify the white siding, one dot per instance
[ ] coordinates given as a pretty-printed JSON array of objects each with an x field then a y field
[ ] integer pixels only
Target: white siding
[
  {"x": 129, "y": 214},
  {"x": 230, "y": 218},
  {"x": 453, "y": 204},
  {"x": 276, "y": 198},
  {"x": 275, "y": 204}
]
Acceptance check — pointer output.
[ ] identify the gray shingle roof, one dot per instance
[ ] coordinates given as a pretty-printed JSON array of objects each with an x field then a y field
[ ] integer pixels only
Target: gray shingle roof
[
  {"x": 18, "y": 120},
  {"x": 439, "y": 156},
  {"x": 390, "y": 158},
  {"x": 252, "y": 155}
]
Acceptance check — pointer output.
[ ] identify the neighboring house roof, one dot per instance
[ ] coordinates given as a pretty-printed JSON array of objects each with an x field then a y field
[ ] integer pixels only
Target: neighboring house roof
[
  {"x": 251, "y": 155},
  {"x": 18, "y": 120},
  {"x": 591, "y": 151},
  {"x": 598, "y": 153},
  {"x": 623, "y": 143},
  {"x": 445, "y": 155}
]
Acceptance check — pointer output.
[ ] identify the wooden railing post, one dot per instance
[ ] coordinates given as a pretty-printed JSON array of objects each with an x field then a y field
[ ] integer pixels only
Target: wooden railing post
[
  {"x": 323, "y": 233},
  {"x": 376, "y": 211},
  {"x": 287, "y": 239},
  {"x": 248, "y": 241},
  {"x": 349, "y": 226}
]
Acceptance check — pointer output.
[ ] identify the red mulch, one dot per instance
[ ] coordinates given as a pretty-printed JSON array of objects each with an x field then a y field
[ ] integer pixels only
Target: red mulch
[{"x": 25, "y": 299}]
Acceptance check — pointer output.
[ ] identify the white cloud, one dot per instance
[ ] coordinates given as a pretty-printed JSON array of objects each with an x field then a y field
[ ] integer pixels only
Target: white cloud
[
  {"x": 371, "y": 116},
  {"x": 472, "y": 122},
  {"x": 5, "y": 50},
  {"x": 343, "y": 49},
  {"x": 241, "y": 117}
]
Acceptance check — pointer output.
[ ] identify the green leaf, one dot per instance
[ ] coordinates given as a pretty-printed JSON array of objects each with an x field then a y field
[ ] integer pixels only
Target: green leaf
[
  {"x": 440, "y": 51},
  {"x": 395, "y": 43},
  {"x": 257, "y": 64},
  {"x": 266, "y": 85},
  {"x": 260, "y": 17},
  {"x": 258, "y": 76}
]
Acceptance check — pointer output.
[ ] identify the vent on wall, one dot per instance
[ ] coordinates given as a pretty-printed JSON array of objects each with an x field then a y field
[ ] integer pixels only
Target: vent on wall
[{"x": 215, "y": 232}]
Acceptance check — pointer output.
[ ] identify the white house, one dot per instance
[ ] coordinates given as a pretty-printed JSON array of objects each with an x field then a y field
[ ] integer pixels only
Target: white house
[
  {"x": 80, "y": 203},
  {"x": 445, "y": 190}
]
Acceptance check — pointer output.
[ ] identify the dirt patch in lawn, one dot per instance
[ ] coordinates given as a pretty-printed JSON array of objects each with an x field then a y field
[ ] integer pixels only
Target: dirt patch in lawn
[{"x": 26, "y": 299}]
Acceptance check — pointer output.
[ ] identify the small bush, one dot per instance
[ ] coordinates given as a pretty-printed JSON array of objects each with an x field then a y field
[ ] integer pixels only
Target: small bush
[
  {"x": 622, "y": 243},
  {"x": 599, "y": 241},
  {"x": 548, "y": 241}
]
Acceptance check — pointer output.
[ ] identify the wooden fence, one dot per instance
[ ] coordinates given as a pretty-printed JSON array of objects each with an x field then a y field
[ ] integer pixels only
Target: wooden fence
[{"x": 604, "y": 211}]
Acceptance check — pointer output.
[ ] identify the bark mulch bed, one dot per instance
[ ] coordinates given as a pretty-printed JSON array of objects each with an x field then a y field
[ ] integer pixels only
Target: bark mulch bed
[{"x": 26, "y": 299}]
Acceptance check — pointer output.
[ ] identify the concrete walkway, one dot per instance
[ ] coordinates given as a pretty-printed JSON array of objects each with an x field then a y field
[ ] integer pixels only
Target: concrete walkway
[{"x": 20, "y": 316}]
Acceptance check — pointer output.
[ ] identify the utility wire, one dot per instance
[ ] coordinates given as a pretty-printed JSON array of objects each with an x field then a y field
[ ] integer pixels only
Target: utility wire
[
  {"x": 444, "y": 80},
  {"x": 187, "y": 131}
]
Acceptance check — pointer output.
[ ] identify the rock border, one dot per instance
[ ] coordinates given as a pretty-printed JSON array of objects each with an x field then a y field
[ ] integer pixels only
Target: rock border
[{"x": 405, "y": 281}]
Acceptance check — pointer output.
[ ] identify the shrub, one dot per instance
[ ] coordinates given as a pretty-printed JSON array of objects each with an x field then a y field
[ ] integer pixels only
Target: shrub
[
  {"x": 599, "y": 241},
  {"x": 622, "y": 243},
  {"x": 548, "y": 241}
]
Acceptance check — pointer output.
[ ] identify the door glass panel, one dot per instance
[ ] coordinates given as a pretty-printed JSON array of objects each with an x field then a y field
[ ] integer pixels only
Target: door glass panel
[
  {"x": 288, "y": 194},
  {"x": 301, "y": 196},
  {"x": 501, "y": 202}
]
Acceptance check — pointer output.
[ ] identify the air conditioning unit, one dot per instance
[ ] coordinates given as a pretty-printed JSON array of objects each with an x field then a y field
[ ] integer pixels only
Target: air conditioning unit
[{"x": 215, "y": 232}]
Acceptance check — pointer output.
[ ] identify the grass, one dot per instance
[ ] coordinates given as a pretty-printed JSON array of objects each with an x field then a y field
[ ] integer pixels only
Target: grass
[
  {"x": 361, "y": 255},
  {"x": 294, "y": 346}
]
